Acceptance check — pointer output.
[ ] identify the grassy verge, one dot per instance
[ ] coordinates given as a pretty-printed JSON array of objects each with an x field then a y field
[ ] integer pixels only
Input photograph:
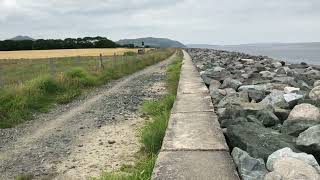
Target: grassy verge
[
  {"x": 18, "y": 103},
  {"x": 153, "y": 132}
]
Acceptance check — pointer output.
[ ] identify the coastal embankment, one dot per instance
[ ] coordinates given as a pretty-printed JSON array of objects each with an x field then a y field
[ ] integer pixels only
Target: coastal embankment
[{"x": 269, "y": 112}]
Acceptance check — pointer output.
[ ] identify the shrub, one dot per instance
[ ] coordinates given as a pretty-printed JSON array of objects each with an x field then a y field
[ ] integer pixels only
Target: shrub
[
  {"x": 81, "y": 77},
  {"x": 130, "y": 53}
]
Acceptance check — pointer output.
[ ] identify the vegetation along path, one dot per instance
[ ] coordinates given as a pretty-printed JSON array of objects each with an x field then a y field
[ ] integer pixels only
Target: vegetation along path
[{"x": 94, "y": 133}]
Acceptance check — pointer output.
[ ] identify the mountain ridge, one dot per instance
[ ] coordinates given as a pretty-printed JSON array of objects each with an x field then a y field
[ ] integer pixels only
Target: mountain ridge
[
  {"x": 21, "y": 38},
  {"x": 152, "y": 41}
]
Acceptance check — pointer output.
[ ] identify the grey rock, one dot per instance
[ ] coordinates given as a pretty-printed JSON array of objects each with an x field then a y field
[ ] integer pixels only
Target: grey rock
[
  {"x": 284, "y": 70},
  {"x": 288, "y": 90},
  {"x": 292, "y": 98},
  {"x": 247, "y": 61},
  {"x": 287, "y": 152},
  {"x": 206, "y": 79},
  {"x": 231, "y": 99},
  {"x": 262, "y": 87},
  {"x": 214, "y": 91},
  {"x": 256, "y": 95},
  {"x": 258, "y": 141},
  {"x": 231, "y": 83},
  {"x": 214, "y": 84},
  {"x": 275, "y": 99},
  {"x": 249, "y": 168},
  {"x": 316, "y": 83},
  {"x": 315, "y": 93},
  {"x": 284, "y": 79},
  {"x": 310, "y": 139},
  {"x": 259, "y": 67},
  {"x": 282, "y": 114},
  {"x": 295, "y": 127},
  {"x": 267, "y": 74},
  {"x": 289, "y": 168},
  {"x": 305, "y": 112},
  {"x": 267, "y": 118},
  {"x": 225, "y": 123},
  {"x": 218, "y": 69},
  {"x": 301, "y": 118},
  {"x": 276, "y": 64}
]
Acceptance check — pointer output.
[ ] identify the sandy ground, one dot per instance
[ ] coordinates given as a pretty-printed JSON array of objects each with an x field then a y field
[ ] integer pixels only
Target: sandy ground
[{"x": 94, "y": 133}]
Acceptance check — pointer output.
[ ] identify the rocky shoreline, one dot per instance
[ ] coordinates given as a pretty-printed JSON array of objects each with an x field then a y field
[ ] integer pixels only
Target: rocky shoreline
[{"x": 269, "y": 111}]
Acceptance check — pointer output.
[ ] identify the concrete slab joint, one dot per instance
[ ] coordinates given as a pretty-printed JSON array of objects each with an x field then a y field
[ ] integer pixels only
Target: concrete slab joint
[{"x": 194, "y": 146}]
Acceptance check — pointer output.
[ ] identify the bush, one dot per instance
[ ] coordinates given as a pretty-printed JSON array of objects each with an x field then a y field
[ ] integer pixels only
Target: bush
[
  {"x": 130, "y": 53},
  {"x": 81, "y": 77}
]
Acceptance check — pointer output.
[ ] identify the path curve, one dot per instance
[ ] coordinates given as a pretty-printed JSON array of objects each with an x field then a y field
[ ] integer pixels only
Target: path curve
[{"x": 94, "y": 133}]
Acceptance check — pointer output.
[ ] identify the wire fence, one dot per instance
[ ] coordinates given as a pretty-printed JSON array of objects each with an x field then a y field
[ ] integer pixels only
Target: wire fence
[{"x": 17, "y": 71}]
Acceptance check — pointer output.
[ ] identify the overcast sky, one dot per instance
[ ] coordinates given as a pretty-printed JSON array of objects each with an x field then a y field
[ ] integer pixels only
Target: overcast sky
[{"x": 189, "y": 21}]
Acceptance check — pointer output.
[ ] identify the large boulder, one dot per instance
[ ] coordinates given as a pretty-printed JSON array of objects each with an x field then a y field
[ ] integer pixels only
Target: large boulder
[
  {"x": 258, "y": 141},
  {"x": 309, "y": 140},
  {"x": 301, "y": 118},
  {"x": 234, "y": 99},
  {"x": 256, "y": 95},
  {"x": 249, "y": 168},
  {"x": 286, "y": 164},
  {"x": 275, "y": 99},
  {"x": 284, "y": 79},
  {"x": 292, "y": 98},
  {"x": 292, "y": 169},
  {"x": 231, "y": 83},
  {"x": 315, "y": 93},
  {"x": 267, "y": 118}
]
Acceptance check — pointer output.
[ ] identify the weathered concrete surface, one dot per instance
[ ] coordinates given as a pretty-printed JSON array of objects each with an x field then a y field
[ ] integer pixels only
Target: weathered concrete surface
[
  {"x": 192, "y": 103},
  {"x": 194, "y": 131},
  {"x": 194, "y": 165},
  {"x": 194, "y": 146}
]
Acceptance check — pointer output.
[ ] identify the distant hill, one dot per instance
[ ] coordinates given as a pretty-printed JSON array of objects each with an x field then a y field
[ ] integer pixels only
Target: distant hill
[
  {"x": 154, "y": 42},
  {"x": 21, "y": 38}
]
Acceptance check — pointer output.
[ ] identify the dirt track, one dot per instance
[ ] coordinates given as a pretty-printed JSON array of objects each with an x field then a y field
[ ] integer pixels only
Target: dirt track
[{"x": 94, "y": 133}]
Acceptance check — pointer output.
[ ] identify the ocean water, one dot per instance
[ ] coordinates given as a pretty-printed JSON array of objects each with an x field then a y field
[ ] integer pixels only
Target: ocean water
[{"x": 293, "y": 53}]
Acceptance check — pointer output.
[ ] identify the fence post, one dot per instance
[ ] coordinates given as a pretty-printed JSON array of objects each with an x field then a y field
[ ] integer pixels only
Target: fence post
[
  {"x": 53, "y": 69},
  {"x": 1, "y": 77},
  {"x": 101, "y": 66}
]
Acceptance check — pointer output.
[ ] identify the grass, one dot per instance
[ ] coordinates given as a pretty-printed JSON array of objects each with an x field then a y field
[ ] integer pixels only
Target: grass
[
  {"x": 152, "y": 134},
  {"x": 19, "y": 102}
]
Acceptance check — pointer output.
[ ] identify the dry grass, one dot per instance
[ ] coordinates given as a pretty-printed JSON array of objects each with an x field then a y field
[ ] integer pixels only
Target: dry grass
[{"x": 38, "y": 54}]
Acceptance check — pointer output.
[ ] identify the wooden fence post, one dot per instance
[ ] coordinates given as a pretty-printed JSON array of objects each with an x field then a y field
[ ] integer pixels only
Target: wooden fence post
[
  {"x": 53, "y": 68},
  {"x": 101, "y": 66}
]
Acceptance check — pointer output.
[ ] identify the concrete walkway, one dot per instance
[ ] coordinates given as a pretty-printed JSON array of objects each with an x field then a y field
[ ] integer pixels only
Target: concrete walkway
[{"x": 194, "y": 147}]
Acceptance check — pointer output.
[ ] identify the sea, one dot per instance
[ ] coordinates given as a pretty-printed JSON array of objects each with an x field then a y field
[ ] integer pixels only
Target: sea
[{"x": 290, "y": 52}]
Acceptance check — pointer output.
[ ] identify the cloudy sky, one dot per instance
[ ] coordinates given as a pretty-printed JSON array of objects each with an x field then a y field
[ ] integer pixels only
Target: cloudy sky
[{"x": 189, "y": 21}]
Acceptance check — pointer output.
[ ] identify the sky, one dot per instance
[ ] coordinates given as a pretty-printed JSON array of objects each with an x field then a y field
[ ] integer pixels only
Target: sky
[{"x": 188, "y": 21}]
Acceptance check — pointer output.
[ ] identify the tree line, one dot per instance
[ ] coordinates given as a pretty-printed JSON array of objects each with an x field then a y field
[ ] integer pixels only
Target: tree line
[{"x": 68, "y": 43}]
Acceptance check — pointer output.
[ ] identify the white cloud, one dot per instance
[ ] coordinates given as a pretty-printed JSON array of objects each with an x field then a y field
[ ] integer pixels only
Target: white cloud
[{"x": 191, "y": 21}]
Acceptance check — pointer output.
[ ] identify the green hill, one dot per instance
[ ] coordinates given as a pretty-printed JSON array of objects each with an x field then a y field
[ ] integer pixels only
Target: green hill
[{"x": 153, "y": 42}]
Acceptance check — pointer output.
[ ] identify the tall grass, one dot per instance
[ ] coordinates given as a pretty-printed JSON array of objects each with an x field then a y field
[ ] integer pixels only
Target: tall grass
[
  {"x": 152, "y": 134},
  {"x": 19, "y": 102}
]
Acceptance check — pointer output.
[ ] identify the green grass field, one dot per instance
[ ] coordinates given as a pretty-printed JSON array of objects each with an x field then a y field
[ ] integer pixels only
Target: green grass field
[{"x": 34, "y": 88}]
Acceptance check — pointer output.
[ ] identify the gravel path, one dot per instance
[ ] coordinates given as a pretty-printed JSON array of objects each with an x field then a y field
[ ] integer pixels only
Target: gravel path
[{"x": 96, "y": 132}]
